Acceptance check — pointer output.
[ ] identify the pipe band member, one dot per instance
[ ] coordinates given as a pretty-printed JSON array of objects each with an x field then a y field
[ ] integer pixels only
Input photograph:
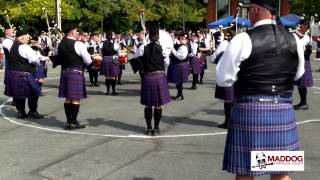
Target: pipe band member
[
  {"x": 74, "y": 57},
  {"x": 262, "y": 64},
  {"x": 154, "y": 85}
]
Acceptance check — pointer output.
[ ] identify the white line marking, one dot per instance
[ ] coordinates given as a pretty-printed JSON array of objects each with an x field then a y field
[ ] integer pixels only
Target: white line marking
[
  {"x": 316, "y": 92},
  {"x": 138, "y": 136},
  {"x": 315, "y": 87}
]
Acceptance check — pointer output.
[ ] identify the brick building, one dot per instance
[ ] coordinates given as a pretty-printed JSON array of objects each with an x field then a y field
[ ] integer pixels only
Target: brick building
[{"x": 218, "y": 9}]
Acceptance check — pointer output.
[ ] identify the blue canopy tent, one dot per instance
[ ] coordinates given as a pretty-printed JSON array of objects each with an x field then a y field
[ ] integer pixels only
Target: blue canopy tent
[
  {"x": 287, "y": 23},
  {"x": 228, "y": 20},
  {"x": 290, "y": 20}
]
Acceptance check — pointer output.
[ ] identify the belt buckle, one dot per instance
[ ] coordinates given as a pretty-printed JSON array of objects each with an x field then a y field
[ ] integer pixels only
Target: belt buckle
[{"x": 275, "y": 100}]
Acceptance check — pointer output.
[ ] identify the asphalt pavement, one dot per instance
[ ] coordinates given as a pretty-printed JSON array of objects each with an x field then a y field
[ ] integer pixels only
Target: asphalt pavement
[{"x": 113, "y": 146}]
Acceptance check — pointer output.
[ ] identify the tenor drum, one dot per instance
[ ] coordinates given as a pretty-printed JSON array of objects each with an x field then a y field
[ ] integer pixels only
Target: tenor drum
[
  {"x": 123, "y": 58},
  {"x": 97, "y": 59}
]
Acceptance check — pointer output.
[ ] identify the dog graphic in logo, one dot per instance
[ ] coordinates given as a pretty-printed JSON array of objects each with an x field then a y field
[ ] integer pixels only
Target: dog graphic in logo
[{"x": 261, "y": 160}]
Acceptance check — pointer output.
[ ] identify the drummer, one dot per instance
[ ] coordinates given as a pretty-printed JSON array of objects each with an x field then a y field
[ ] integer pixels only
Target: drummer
[
  {"x": 138, "y": 52},
  {"x": 94, "y": 50},
  {"x": 178, "y": 69},
  {"x": 109, "y": 67},
  {"x": 121, "y": 44}
]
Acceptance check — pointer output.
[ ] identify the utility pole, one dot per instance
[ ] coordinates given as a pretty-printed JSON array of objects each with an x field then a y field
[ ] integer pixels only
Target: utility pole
[
  {"x": 58, "y": 13},
  {"x": 183, "y": 19}
]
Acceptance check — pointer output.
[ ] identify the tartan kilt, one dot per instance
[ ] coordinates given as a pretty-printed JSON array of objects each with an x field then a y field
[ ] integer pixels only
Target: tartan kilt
[
  {"x": 40, "y": 72},
  {"x": 178, "y": 73},
  {"x": 108, "y": 68},
  {"x": 204, "y": 65},
  {"x": 72, "y": 84},
  {"x": 306, "y": 80},
  {"x": 224, "y": 93},
  {"x": 154, "y": 89},
  {"x": 21, "y": 85},
  {"x": 259, "y": 126},
  {"x": 195, "y": 65}
]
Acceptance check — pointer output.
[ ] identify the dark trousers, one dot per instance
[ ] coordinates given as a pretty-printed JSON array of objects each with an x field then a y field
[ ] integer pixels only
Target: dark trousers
[{"x": 93, "y": 76}]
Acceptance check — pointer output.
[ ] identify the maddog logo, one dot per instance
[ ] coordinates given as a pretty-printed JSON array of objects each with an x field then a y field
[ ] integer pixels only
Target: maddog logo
[{"x": 277, "y": 160}]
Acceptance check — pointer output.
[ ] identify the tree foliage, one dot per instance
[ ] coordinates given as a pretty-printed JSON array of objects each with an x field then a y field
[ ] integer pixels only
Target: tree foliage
[{"x": 122, "y": 15}]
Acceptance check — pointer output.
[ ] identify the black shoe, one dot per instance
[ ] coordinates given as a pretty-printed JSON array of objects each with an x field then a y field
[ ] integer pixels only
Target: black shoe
[
  {"x": 114, "y": 94},
  {"x": 91, "y": 85},
  {"x": 77, "y": 125},
  {"x": 107, "y": 93},
  {"x": 148, "y": 132},
  {"x": 22, "y": 115},
  {"x": 156, "y": 132},
  {"x": 35, "y": 115},
  {"x": 300, "y": 107},
  {"x": 96, "y": 85},
  {"x": 193, "y": 87},
  {"x": 223, "y": 126},
  {"x": 200, "y": 82},
  {"x": 178, "y": 98},
  {"x": 119, "y": 83}
]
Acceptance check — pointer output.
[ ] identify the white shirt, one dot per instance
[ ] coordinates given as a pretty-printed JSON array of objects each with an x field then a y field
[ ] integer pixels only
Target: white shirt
[
  {"x": 82, "y": 51},
  {"x": 194, "y": 49},
  {"x": 305, "y": 40},
  {"x": 139, "y": 50},
  {"x": 28, "y": 53},
  {"x": 221, "y": 48},
  {"x": 182, "y": 52},
  {"x": 239, "y": 50},
  {"x": 7, "y": 43}
]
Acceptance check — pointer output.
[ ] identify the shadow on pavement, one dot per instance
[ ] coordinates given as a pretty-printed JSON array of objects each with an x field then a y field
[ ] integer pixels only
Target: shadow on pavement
[
  {"x": 186, "y": 120},
  {"x": 115, "y": 124}
]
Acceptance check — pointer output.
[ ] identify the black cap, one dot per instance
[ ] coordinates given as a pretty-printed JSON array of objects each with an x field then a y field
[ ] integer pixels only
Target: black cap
[
  {"x": 21, "y": 32},
  {"x": 183, "y": 34},
  {"x": 6, "y": 26},
  {"x": 69, "y": 27},
  {"x": 269, "y": 4},
  {"x": 154, "y": 32}
]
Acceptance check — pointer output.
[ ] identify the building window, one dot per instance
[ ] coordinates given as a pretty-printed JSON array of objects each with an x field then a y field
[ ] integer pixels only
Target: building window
[
  {"x": 245, "y": 1},
  {"x": 222, "y": 8}
]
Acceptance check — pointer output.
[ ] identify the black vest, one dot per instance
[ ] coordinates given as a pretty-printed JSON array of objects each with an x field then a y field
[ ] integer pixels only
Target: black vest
[
  {"x": 68, "y": 55},
  {"x": 108, "y": 48},
  {"x": 270, "y": 69},
  {"x": 19, "y": 63},
  {"x": 152, "y": 58},
  {"x": 174, "y": 59}
]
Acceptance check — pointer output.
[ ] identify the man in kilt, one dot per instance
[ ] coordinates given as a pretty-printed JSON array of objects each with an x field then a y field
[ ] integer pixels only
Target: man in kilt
[
  {"x": 154, "y": 85},
  {"x": 74, "y": 57},
  {"x": 224, "y": 93},
  {"x": 110, "y": 67},
  {"x": 41, "y": 72},
  {"x": 194, "y": 60},
  {"x": 306, "y": 80},
  {"x": 262, "y": 64},
  {"x": 20, "y": 77},
  {"x": 94, "y": 48},
  {"x": 205, "y": 50},
  {"x": 178, "y": 70}
]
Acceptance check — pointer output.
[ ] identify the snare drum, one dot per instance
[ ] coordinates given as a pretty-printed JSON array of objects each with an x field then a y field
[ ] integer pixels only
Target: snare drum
[
  {"x": 123, "y": 58},
  {"x": 97, "y": 59}
]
